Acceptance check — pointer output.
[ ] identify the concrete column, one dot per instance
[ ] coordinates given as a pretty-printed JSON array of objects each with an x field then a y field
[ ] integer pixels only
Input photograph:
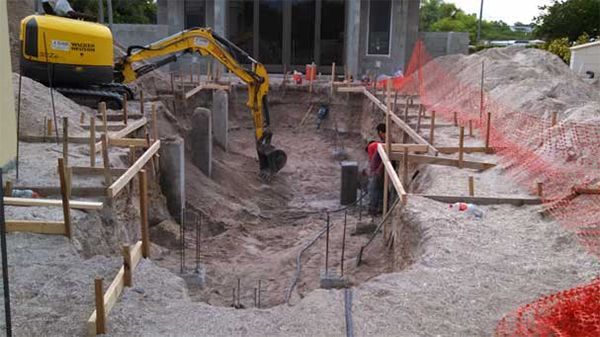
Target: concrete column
[
  {"x": 200, "y": 139},
  {"x": 220, "y": 115},
  {"x": 349, "y": 182},
  {"x": 172, "y": 177},
  {"x": 220, "y": 27},
  {"x": 353, "y": 36}
]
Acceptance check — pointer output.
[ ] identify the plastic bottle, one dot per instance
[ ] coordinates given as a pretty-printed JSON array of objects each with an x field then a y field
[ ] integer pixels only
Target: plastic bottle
[{"x": 470, "y": 209}]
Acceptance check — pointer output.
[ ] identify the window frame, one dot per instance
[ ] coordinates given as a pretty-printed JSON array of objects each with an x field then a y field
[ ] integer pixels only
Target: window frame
[{"x": 389, "y": 54}]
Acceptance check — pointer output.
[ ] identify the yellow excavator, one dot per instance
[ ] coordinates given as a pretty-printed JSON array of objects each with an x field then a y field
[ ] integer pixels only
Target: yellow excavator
[{"x": 76, "y": 58}]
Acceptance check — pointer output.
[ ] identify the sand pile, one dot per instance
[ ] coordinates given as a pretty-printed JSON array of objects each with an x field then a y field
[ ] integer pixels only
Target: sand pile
[
  {"x": 528, "y": 80},
  {"x": 36, "y": 107}
]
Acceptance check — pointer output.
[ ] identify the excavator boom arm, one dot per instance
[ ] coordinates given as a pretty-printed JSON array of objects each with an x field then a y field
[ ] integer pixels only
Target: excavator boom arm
[{"x": 207, "y": 43}]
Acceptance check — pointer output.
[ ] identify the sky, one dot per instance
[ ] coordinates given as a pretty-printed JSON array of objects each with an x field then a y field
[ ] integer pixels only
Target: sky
[{"x": 509, "y": 11}]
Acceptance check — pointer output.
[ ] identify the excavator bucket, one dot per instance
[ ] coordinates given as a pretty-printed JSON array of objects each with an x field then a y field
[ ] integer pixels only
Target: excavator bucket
[{"x": 271, "y": 159}]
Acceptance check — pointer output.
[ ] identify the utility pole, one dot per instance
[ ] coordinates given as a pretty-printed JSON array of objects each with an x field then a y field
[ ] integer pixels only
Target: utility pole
[
  {"x": 479, "y": 23},
  {"x": 100, "y": 12}
]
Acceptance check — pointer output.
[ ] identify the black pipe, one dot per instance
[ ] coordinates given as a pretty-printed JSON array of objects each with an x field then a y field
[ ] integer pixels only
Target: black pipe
[{"x": 5, "y": 265}]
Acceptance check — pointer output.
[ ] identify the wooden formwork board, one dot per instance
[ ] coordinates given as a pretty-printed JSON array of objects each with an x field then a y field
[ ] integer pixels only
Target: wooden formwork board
[
  {"x": 122, "y": 181},
  {"x": 424, "y": 159},
  {"x": 27, "y": 202},
  {"x": 392, "y": 173},
  {"x": 115, "y": 289},
  {"x": 38, "y": 227},
  {"x": 479, "y": 200},
  {"x": 206, "y": 86},
  {"x": 131, "y": 127}
]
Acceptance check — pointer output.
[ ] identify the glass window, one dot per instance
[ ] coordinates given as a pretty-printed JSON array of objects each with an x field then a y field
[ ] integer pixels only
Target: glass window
[
  {"x": 333, "y": 23},
  {"x": 270, "y": 44},
  {"x": 303, "y": 31},
  {"x": 240, "y": 25},
  {"x": 380, "y": 16},
  {"x": 195, "y": 13}
]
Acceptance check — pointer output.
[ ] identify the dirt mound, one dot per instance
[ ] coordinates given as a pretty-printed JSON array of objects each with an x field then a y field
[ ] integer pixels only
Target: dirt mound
[
  {"x": 527, "y": 80},
  {"x": 36, "y": 107}
]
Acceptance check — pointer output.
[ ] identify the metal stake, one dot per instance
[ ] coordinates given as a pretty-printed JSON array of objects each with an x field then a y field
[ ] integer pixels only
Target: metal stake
[
  {"x": 327, "y": 248},
  {"x": 344, "y": 242},
  {"x": 7, "y": 316}
]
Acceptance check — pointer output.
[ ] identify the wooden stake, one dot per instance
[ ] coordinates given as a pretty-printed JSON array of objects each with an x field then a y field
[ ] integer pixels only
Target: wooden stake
[
  {"x": 420, "y": 116},
  {"x": 127, "y": 278},
  {"x": 455, "y": 118},
  {"x": 172, "y": 84},
  {"x": 62, "y": 174},
  {"x": 92, "y": 142},
  {"x": 144, "y": 213},
  {"x": 125, "y": 116},
  {"x": 388, "y": 149},
  {"x": 208, "y": 70},
  {"x": 540, "y": 189},
  {"x": 82, "y": 118},
  {"x": 461, "y": 146},
  {"x": 66, "y": 140},
  {"x": 471, "y": 186},
  {"x": 142, "y": 99},
  {"x": 487, "y": 131},
  {"x": 154, "y": 122},
  {"x": 132, "y": 158},
  {"x": 332, "y": 89},
  {"x": 405, "y": 170},
  {"x": 432, "y": 128},
  {"x": 404, "y": 134},
  {"x": 49, "y": 127},
  {"x": 100, "y": 312},
  {"x": 106, "y": 161},
  {"x": 8, "y": 189},
  {"x": 102, "y": 111},
  {"x": 554, "y": 118},
  {"x": 470, "y": 128}
]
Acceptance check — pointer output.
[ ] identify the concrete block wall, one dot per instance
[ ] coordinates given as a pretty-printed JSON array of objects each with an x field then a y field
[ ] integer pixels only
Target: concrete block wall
[
  {"x": 446, "y": 43},
  {"x": 134, "y": 34}
]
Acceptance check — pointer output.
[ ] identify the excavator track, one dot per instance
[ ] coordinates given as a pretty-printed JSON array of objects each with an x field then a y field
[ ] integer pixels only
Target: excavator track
[{"x": 91, "y": 97}]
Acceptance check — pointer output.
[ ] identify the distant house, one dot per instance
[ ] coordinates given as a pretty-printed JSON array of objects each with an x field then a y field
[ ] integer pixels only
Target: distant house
[
  {"x": 585, "y": 59},
  {"x": 522, "y": 28}
]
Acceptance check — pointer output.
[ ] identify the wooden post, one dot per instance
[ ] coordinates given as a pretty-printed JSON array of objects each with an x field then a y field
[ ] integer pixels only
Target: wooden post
[
  {"x": 192, "y": 74},
  {"x": 471, "y": 186},
  {"x": 461, "y": 145},
  {"x": 66, "y": 140},
  {"x": 419, "y": 117},
  {"x": 82, "y": 118},
  {"x": 388, "y": 147},
  {"x": 125, "y": 116},
  {"x": 8, "y": 189},
  {"x": 106, "y": 161},
  {"x": 142, "y": 100},
  {"x": 127, "y": 277},
  {"x": 49, "y": 127},
  {"x": 455, "y": 118},
  {"x": 487, "y": 131},
  {"x": 404, "y": 134},
  {"x": 332, "y": 78},
  {"x": 470, "y": 128},
  {"x": 62, "y": 174},
  {"x": 100, "y": 312},
  {"x": 405, "y": 170},
  {"x": 540, "y": 189},
  {"x": 208, "y": 70},
  {"x": 554, "y": 118},
  {"x": 154, "y": 123},
  {"x": 143, "y": 180},
  {"x": 92, "y": 141},
  {"x": 172, "y": 84},
  {"x": 102, "y": 111},
  {"x": 432, "y": 128}
]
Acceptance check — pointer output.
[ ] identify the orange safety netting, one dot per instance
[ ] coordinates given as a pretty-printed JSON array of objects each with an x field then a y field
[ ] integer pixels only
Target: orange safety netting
[{"x": 563, "y": 157}]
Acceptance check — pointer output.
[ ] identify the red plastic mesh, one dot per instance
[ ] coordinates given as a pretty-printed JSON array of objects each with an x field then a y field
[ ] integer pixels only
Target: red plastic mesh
[{"x": 562, "y": 157}]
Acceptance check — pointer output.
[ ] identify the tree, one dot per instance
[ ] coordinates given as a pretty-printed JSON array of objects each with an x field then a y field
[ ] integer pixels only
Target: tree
[
  {"x": 432, "y": 11},
  {"x": 124, "y": 11},
  {"x": 570, "y": 18}
]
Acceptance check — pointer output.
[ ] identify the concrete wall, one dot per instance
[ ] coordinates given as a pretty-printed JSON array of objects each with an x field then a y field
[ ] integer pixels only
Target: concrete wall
[
  {"x": 8, "y": 125},
  {"x": 133, "y": 34},
  {"x": 586, "y": 59},
  {"x": 404, "y": 33},
  {"x": 446, "y": 43}
]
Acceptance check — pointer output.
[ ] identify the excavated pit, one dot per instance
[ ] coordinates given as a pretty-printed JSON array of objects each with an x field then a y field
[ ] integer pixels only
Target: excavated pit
[{"x": 254, "y": 231}]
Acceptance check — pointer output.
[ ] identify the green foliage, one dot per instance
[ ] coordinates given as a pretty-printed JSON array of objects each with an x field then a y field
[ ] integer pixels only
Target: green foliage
[
  {"x": 570, "y": 18},
  {"x": 124, "y": 11},
  {"x": 560, "y": 47},
  {"x": 437, "y": 16}
]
